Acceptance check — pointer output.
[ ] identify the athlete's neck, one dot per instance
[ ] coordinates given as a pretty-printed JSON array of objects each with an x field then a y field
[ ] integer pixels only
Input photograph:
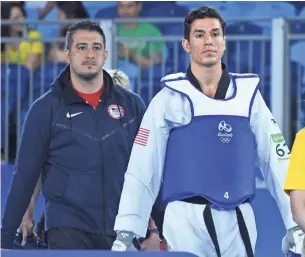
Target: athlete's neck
[
  {"x": 86, "y": 86},
  {"x": 208, "y": 77}
]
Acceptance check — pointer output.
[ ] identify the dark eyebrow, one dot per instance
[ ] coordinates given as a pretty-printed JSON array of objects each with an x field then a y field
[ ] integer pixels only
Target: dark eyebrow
[
  {"x": 86, "y": 44},
  {"x": 82, "y": 44},
  {"x": 97, "y": 44},
  {"x": 203, "y": 31}
]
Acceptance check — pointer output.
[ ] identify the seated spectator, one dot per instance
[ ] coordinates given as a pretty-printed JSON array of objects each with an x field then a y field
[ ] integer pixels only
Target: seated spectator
[
  {"x": 144, "y": 54},
  {"x": 67, "y": 7},
  {"x": 29, "y": 52},
  {"x": 66, "y": 11},
  {"x": 56, "y": 52}
]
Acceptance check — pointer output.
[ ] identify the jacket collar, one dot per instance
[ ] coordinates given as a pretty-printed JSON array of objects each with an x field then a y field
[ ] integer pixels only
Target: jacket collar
[
  {"x": 223, "y": 85},
  {"x": 70, "y": 96}
]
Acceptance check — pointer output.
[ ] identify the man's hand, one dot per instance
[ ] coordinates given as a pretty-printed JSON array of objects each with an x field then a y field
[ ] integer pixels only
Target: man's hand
[
  {"x": 27, "y": 226},
  {"x": 152, "y": 243}
]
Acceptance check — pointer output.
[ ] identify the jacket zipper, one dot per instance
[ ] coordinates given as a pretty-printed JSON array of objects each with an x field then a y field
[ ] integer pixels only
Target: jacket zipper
[{"x": 103, "y": 172}]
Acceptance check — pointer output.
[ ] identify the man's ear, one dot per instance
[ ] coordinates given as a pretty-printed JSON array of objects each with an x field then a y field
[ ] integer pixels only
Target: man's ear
[
  {"x": 67, "y": 55},
  {"x": 186, "y": 45},
  {"x": 105, "y": 56}
]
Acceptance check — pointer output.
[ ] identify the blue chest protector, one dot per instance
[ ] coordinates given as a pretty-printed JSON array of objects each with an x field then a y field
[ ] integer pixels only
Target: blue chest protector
[{"x": 214, "y": 155}]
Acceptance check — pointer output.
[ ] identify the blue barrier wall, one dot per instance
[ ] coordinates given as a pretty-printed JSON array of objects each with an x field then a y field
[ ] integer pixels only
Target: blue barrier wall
[{"x": 80, "y": 253}]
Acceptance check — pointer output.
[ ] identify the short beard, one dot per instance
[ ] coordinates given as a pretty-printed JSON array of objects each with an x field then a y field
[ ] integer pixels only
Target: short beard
[{"x": 85, "y": 76}]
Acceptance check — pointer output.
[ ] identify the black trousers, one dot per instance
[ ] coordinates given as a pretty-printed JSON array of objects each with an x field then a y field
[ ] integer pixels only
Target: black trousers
[{"x": 67, "y": 238}]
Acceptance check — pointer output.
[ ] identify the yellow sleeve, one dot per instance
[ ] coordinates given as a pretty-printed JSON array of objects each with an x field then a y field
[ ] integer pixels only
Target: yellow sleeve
[
  {"x": 37, "y": 46},
  {"x": 3, "y": 57},
  {"x": 296, "y": 171}
]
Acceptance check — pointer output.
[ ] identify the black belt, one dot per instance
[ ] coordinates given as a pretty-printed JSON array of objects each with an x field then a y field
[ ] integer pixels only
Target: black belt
[
  {"x": 202, "y": 200},
  {"x": 208, "y": 219}
]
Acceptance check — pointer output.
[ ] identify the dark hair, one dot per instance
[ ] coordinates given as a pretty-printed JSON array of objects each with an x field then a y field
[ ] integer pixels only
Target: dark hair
[
  {"x": 83, "y": 25},
  {"x": 6, "y": 8},
  {"x": 73, "y": 10},
  {"x": 201, "y": 13}
]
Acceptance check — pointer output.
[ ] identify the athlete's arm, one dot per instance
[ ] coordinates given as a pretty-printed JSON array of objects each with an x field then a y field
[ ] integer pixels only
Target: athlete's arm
[
  {"x": 273, "y": 155},
  {"x": 144, "y": 172}
]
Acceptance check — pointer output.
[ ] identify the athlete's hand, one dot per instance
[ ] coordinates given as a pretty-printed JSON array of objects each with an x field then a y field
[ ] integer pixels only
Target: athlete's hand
[
  {"x": 293, "y": 241},
  {"x": 124, "y": 242}
]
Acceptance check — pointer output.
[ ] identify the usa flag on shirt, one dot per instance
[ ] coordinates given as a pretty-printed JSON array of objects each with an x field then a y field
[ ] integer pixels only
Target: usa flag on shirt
[{"x": 142, "y": 137}]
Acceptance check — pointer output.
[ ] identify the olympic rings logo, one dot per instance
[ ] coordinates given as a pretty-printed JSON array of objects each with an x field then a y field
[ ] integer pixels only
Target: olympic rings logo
[{"x": 225, "y": 140}]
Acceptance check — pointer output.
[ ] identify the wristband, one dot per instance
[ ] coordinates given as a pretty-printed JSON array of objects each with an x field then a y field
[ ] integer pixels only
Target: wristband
[{"x": 154, "y": 230}]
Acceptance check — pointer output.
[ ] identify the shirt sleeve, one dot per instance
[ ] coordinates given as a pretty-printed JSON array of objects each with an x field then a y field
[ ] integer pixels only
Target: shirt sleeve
[
  {"x": 296, "y": 172},
  {"x": 145, "y": 169},
  {"x": 273, "y": 155}
]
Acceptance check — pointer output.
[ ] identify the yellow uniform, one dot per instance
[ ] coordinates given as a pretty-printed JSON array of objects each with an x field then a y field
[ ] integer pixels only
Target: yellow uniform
[
  {"x": 296, "y": 172},
  {"x": 25, "y": 48}
]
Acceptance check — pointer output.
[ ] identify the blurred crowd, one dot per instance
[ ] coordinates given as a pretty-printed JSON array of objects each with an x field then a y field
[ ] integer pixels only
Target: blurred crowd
[
  {"x": 143, "y": 54},
  {"x": 138, "y": 58}
]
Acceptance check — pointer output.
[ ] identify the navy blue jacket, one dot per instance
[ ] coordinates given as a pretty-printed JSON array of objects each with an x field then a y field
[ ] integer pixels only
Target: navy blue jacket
[{"x": 82, "y": 154}]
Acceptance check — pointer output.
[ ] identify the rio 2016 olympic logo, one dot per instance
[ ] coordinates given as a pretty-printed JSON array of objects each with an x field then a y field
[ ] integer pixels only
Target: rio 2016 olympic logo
[{"x": 225, "y": 132}]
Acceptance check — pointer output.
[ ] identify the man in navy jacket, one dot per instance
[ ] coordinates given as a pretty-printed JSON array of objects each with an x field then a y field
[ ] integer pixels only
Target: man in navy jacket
[{"x": 78, "y": 137}]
